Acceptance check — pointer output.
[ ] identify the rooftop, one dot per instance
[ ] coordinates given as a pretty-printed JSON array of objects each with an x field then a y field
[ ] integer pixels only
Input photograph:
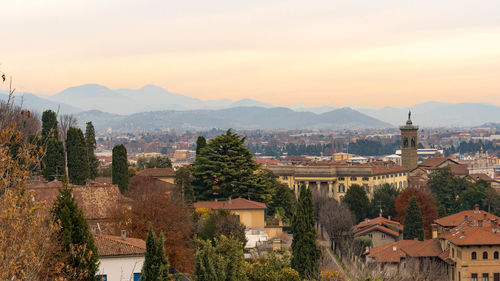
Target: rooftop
[
  {"x": 108, "y": 245},
  {"x": 157, "y": 172},
  {"x": 231, "y": 204}
]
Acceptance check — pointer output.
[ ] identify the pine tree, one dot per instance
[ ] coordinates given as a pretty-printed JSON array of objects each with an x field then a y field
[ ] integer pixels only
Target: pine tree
[
  {"x": 306, "y": 254},
  {"x": 201, "y": 142},
  {"x": 91, "y": 145},
  {"x": 120, "y": 167},
  {"x": 53, "y": 160},
  {"x": 155, "y": 267},
  {"x": 78, "y": 244},
  {"x": 413, "y": 222},
  {"x": 358, "y": 201},
  {"x": 76, "y": 149}
]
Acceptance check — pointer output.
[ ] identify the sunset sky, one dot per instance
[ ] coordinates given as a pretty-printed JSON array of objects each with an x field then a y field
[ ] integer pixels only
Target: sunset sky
[{"x": 370, "y": 52}]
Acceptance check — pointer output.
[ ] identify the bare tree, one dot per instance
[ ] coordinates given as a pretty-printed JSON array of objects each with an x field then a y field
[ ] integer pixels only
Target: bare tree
[{"x": 66, "y": 121}]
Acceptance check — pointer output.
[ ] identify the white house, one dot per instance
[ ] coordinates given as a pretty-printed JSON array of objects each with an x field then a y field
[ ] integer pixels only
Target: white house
[{"x": 121, "y": 258}]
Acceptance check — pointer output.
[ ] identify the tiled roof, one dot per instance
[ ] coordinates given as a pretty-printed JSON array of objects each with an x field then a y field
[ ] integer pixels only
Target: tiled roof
[
  {"x": 458, "y": 218},
  {"x": 435, "y": 162},
  {"x": 377, "y": 221},
  {"x": 108, "y": 245},
  {"x": 396, "y": 251},
  {"x": 266, "y": 161},
  {"x": 377, "y": 228},
  {"x": 232, "y": 204},
  {"x": 470, "y": 233},
  {"x": 157, "y": 172},
  {"x": 483, "y": 177}
]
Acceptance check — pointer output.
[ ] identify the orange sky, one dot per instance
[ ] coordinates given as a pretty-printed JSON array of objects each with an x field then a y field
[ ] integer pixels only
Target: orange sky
[{"x": 388, "y": 53}]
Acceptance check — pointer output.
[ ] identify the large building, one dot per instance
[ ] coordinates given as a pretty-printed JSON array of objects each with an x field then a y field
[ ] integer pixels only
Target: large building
[
  {"x": 409, "y": 142},
  {"x": 335, "y": 178}
]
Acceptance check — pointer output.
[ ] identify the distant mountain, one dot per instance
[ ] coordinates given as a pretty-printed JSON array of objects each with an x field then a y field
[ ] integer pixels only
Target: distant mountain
[
  {"x": 490, "y": 125},
  {"x": 237, "y": 118},
  {"x": 38, "y": 104},
  {"x": 315, "y": 109},
  {"x": 437, "y": 114}
]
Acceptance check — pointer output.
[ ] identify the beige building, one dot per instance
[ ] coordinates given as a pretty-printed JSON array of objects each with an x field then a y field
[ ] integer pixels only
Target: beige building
[
  {"x": 336, "y": 178},
  {"x": 163, "y": 174}
]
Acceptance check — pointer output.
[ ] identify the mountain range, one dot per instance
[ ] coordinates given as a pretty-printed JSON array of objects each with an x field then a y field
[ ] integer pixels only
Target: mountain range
[{"x": 159, "y": 108}]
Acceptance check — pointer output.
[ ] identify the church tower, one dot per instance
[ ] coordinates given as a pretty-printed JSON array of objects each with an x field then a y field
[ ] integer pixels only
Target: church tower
[{"x": 409, "y": 141}]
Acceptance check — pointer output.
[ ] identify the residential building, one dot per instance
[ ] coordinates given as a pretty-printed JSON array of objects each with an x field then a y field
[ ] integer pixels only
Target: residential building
[
  {"x": 382, "y": 231},
  {"x": 420, "y": 175},
  {"x": 164, "y": 174}
]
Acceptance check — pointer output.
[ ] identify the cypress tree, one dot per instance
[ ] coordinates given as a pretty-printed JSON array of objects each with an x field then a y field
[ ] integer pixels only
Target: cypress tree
[
  {"x": 49, "y": 124},
  {"x": 53, "y": 160},
  {"x": 306, "y": 254},
  {"x": 155, "y": 267},
  {"x": 78, "y": 245},
  {"x": 91, "y": 145},
  {"x": 201, "y": 142},
  {"x": 413, "y": 222},
  {"x": 120, "y": 167},
  {"x": 76, "y": 149}
]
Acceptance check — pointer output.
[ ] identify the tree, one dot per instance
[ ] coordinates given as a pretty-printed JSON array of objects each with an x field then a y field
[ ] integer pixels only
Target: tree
[
  {"x": 384, "y": 198},
  {"x": 222, "y": 222},
  {"x": 154, "y": 162},
  {"x": 91, "y": 145},
  {"x": 426, "y": 204},
  {"x": 306, "y": 254},
  {"x": 282, "y": 202},
  {"x": 183, "y": 178},
  {"x": 358, "y": 202},
  {"x": 120, "y": 167},
  {"x": 78, "y": 163},
  {"x": 224, "y": 168},
  {"x": 272, "y": 267},
  {"x": 54, "y": 163},
  {"x": 79, "y": 249},
  {"x": 155, "y": 267},
  {"x": 201, "y": 142},
  {"x": 447, "y": 189},
  {"x": 337, "y": 220},
  {"x": 413, "y": 222},
  {"x": 49, "y": 124},
  {"x": 220, "y": 260},
  {"x": 360, "y": 244}
]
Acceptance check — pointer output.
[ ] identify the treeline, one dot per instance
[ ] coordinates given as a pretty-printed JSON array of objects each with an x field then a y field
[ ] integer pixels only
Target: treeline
[{"x": 472, "y": 147}]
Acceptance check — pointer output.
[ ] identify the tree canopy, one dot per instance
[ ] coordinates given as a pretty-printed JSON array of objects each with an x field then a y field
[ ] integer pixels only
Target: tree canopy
[
  {"x": 120, "y": 167},
  {"x": 155, "y": 267},
  {"x": 91, "y": 145},
  {"x": 76, "y": 149},
  {"x": 413, "y": 222},
  {"x": 357, "y": 200},
  {"x": 426, "y": 204}
]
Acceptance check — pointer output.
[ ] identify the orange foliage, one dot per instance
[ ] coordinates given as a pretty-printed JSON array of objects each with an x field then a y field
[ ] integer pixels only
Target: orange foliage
[{"x": 425, "y": 202}]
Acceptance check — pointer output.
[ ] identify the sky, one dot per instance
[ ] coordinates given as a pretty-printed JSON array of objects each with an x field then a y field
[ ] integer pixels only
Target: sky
[{"x": 365, "y": 52}]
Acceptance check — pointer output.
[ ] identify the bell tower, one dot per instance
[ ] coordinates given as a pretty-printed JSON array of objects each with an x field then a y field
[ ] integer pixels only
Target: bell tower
[{"x": 409, "y": 141}]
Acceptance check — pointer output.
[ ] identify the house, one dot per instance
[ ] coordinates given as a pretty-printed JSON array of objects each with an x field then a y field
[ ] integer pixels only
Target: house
[
  {"x": 120, "y": 257},
  {"x": 382, "y": 231},
  {"x": 443, "y": 225},
  {"x": 477, "y": 177},
  {"x": 250, "y": 213},
  {"x": 164, "y": 174},
  {"x": 419, "y": 176}
]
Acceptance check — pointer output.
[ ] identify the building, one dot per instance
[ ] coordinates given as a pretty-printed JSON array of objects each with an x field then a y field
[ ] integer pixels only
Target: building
[
  {"x": 443, "y": 225},
  {"x": 164, "y": 174},
  {"x": 409, "y": 142},
  {"x": 481, "y": 163},
  {"x": 341, "y": 156},
  {"x": 335, "y": 178},
  {"x": 120, "y": 258},
  {"x": 420, "y": 175},
  {"x": 382, "y": 231},
  {"x": 424, "y": 153}
]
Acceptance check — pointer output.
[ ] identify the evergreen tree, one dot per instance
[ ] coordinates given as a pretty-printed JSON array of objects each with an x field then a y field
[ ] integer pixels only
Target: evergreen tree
[
  {"x": 78, "y": 244},
  {"x": 53, "y": 160},
  {"x": 201, "y": 142},
  {"x": 224, "y": 168},
  {"x": 358, "y": 202},
  {"x": 384, "y": 198},
  {"x": 155, "y": 267},
  {"x": 283, "y": 201},
  {"x": 413, "y": 222},
  {"x": 120, "y": 167},
  {"x": 306, "y": 254},
  {"x": 91, "y": 145},
  {"x": 78, "y": 163},
  {"x": 183, "y": 179},
  {"x": 49, "y": 124}
]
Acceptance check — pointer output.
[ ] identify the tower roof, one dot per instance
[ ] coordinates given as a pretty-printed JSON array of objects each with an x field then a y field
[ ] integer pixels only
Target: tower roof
[{"x": 409, "y": 124}]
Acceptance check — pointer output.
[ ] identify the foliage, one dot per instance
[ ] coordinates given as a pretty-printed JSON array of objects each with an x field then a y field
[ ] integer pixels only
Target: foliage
[
  {"x": 272, "y": 267},
  {"x": 373, "y": 147},
  {"x": 223, "y": 168},
  {"x": 49, "y": 125},
  {"x": 76, "y": 149},
  {"x": 385, "y": 198},
  {"x": 183, "y": 178},
  {"x": 332, "y": 275},
  {"x": 167, "y": 214},
  {"x": 360, "y": 244},
  {"x": 79, "y": 249},
  {"x": 220, "y": 260},
  {"x": 153, "y": 162},
  {"x": 282, "y": 202},
  {"x": 306, "y": 253},
  {"x": 155, "y": 267},
  {"x": 91, "y": 145},
  {"x": 201, "y": 142},
  {"x": 426, "y": 204},
  {"x": 120, "y": 167},
  {"x": 54, "y": 164},
  {"x": 357, "y": 200},
  {"x": 222, "y": 222},
  {"x": 413, "y": 222},
  {"x": 337, "y": 219}
]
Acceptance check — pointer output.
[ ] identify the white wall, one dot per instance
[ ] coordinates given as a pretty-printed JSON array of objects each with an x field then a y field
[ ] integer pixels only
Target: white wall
[{"x": 120, "y": 268}]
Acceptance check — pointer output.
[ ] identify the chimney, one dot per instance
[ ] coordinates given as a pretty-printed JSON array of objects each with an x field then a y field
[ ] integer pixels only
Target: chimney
[
  {"x": 389, "y": 217},
  {"x": 124, "y": 235},
  {"x": 394, "y": 248},
  {"x": 229, "y": 201},
  {"x": 466, "y": 218},
  {"x": 484, "y": 216},
  {"x": 434, "y": 230},
  {"x": 476, "y": 208}
]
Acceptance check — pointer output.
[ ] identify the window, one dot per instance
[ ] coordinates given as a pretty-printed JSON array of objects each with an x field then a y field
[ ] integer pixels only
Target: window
[
  {"x": 452, "y": 252},
  {"x": 473, "y": 256},
  {"x": 285, "y": 178},
  {"x": 473, "y": 277},
  {"x": 366, "y": 179},
  {"x": 341, "y": 188},
  {"x": 341, "y": 178},
  {"x": 485, "y": 255},
  {"x": 137, "y": 277},
  {"x": 383, "y": 235},
  {"x": 495, "y": 255},
  {"x": 354, "y": 178},
  {"x": 496, "y": 276},
  {"x": 486, "y": 277}
]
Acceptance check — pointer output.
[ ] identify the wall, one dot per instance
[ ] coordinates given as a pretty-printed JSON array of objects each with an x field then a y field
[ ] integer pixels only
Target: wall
[
  {"x": 466, "y": 266},
  {"x": 120, "y": 268},
  {"x": 251, "y": 218}
]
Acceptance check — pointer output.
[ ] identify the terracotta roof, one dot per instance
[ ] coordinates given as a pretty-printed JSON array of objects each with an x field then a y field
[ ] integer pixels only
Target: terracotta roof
[
  {"x": 157, "y": 172},
  {"x": 396, "y": 251},
  {"x": 435, "y": 162},
  {"x": 456, "y": 219},
  {"x": 108, "y": 245},
  {"x": 473, "y": 232},
  {"x": 266, "y": 161},
  {"x": 232, "y": 204},
  {"x": 483, "y": 177},
  {"x": 377, "y": 228},
  {"x": 377, "y": 221}
]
